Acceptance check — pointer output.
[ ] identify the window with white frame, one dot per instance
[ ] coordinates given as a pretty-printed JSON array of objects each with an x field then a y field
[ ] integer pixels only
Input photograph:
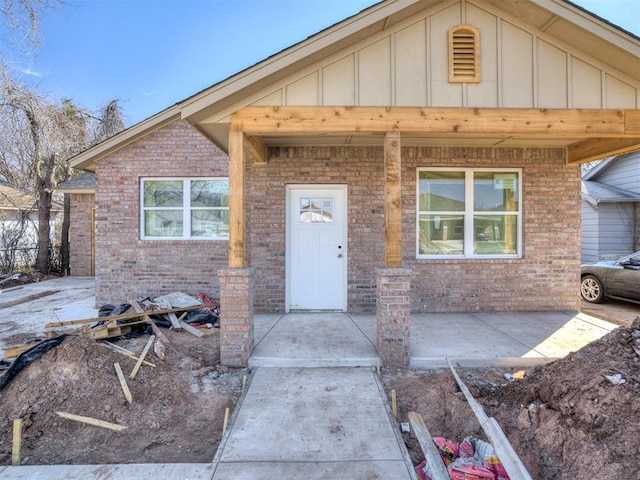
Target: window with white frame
[
  {"x": 469, "y": 213},
  {"x": 184, "y": 208}
]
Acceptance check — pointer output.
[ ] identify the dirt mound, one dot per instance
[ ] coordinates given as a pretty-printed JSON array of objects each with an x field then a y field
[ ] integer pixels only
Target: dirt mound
[
  {"x": 176, "y": 414},
  {"x": 565, "y": 419}
]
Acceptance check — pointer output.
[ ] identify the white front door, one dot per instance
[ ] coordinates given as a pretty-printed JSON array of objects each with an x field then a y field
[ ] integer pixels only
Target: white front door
[{"x": 316, "y": 247}]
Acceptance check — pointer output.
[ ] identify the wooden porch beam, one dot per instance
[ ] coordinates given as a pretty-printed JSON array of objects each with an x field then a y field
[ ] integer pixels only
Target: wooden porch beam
[
  {"x": 256, "y": 149},
  {"x": 236, "y": 199},
  {"x": 598, "y": 148},
  {"x": 392, "y": 200},
  {"x": 456, "y": 122}
]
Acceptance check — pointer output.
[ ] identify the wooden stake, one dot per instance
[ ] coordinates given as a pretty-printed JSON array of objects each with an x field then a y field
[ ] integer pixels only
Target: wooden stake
[
  {"x": 134, "y": 372},
  {"x": 394, "y": 403},
  {"x": 244, "y": 382},
  {"x": 17, "y": 442},
  {"x": 226, "y": 420},
  {"x": 123, "y": 383},
  {"x": 378, "y": 366},
  {"x": 127, "y": 353},
  {"x": 92, "y": 421}
]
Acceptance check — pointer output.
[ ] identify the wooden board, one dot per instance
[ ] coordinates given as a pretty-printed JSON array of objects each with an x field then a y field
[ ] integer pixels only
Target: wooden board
[
  {"x": 125, "y": 316},
  {"x": 191, "y": 330},
  {"x": 438, "y": 468},
  {"x": 123, "y": 382},
  {"x": 12, "y": 352},
  {"x": 507, "y": 455},
  {"x": 142, "y": 355},
  {"x": 92, "y": 421}
]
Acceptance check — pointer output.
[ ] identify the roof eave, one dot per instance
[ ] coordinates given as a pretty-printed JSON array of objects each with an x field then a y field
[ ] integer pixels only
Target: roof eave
[{"x": 76, "y": 190}]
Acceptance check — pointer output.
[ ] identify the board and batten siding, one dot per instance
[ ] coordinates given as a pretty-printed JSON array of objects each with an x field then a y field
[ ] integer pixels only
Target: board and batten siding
[{"x": 407, "y": 65}]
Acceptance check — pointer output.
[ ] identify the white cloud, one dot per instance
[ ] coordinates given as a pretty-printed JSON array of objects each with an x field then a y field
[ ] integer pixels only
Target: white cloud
[{"x": 29, "y": 71}]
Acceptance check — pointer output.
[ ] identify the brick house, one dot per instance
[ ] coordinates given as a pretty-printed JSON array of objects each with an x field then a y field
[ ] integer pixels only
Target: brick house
[{"x": 420, "y": 156}]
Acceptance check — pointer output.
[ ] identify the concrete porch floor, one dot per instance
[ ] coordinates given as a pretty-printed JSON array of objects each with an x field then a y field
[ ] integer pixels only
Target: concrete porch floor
[{"x": 518, "y": 339}]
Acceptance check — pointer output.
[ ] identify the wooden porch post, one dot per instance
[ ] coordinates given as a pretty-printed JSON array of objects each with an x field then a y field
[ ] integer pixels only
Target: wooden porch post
[
  {"x": 392, "y": 200},
  {"x": 236, "y": 199},
  {"x": 393, "y": 283},
  {"x": 236, "y": 282}
]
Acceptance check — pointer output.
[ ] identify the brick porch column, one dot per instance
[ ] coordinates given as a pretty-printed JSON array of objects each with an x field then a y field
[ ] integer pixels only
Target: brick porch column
[
  {"x": 393, "y": 310},
  {"x": 236, "y": 316}
]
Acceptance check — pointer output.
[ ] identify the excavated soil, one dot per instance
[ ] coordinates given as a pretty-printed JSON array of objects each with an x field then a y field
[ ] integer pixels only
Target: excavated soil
[
  {"x": 176, "y": 414},
  {"x": 565, "y": 419}
]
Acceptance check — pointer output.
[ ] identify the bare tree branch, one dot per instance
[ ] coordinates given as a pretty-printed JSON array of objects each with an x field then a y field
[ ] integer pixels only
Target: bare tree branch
[
  {"x": 40, "y": 137},
  {"x": 20, "y": 19}
]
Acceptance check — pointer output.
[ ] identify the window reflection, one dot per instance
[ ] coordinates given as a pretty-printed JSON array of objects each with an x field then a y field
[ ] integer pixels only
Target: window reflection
[{"x": 316, "y": 210}]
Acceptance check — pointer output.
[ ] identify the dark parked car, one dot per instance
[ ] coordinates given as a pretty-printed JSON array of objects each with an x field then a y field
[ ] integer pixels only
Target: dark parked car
[{"x": 619, "y": 279}]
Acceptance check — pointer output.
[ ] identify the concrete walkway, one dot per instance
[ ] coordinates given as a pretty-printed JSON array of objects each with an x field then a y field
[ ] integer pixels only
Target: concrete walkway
[
  {"x": 314, "y": 408},
  {"x": 313, "y": 423}
]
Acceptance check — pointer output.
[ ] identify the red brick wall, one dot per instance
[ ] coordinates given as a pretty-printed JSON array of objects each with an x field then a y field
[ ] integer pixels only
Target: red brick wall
[
  {"x": 80, "y": 234},
  {"x": 359, "y": 168},
  {"x": 546, "y": 278},
  {"x": 129, "y": 267}
]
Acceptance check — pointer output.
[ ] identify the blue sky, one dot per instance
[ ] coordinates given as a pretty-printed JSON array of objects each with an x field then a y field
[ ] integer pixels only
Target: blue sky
[{"x": 153, "y": 53}]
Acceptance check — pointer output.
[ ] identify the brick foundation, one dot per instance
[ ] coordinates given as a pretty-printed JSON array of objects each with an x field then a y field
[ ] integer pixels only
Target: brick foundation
[
  {"x": 393, "y": 314},
  {"x": 236, "y": 312}
]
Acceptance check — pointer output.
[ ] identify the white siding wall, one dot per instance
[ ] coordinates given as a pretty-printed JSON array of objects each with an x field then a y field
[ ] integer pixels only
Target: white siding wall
[{"x": 408, "y": 65}]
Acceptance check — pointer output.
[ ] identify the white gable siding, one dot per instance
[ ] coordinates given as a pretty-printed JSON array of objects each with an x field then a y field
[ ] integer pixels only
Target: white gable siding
[
  {"x": 407, "y": 65},
  {"x": 410, "y": 50},
  {"x": 552, "y": 76}
]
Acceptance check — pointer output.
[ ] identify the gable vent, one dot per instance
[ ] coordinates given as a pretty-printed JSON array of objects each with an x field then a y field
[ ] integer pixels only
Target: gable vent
[{"x": 464, "y": 54}]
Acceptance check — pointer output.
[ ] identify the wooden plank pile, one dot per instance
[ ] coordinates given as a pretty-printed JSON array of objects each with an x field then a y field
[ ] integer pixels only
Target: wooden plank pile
[{"x": 103, "y": 328}]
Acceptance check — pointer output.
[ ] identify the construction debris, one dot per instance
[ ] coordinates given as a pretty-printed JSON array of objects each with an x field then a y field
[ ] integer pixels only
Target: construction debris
[{"x": 125, "y": 319}]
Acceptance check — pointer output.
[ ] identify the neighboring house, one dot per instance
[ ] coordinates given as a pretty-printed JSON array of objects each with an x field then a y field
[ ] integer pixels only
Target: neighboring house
[
  {"x": 611, "y": 209},
  {"x": 19, "y": 227},
  {"x": 81, "y": 190},
  {"x": 420, "y": 156}
]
